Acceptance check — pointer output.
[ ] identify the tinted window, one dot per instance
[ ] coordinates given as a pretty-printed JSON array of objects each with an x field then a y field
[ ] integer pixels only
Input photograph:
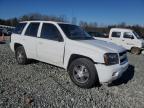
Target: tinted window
[
  {"x": 49, "y": 31},
  {"x": 128, "y": 35},
  {"x": 32, "y": 29},
  {"x": 19, "y": 28},
  {"x": 116, "y": 34}
]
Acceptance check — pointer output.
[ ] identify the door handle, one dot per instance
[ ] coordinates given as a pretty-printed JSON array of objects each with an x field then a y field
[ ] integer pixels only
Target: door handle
[{"x": 122, "y": 40}]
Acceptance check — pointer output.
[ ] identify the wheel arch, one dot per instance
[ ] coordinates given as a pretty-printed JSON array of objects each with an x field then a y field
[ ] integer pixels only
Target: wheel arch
[
  {"x": 16, "y": 45},
  {"x": 76, "y": 56}
]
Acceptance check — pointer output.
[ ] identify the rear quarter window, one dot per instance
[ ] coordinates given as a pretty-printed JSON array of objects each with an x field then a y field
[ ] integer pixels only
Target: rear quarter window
[{"x": 19, "y": 28}]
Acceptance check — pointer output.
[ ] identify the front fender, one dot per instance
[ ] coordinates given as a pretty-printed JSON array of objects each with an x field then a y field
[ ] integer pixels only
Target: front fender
[{"x": 95, "y": 55}]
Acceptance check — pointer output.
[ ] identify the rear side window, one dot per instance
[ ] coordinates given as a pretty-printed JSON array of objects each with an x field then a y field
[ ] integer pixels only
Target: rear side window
[
  {"x": 32, "y": 29},
  {"x": 50, "y": 31},
  {"x": 116, "y": 34},
  {"x": 19, "y": 28}
]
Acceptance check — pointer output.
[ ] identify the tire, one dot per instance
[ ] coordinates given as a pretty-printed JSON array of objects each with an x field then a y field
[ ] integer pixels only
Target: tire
[
  {"x": 135, "y": 50},
  {"x": 86, "y": 78},
  {"x": 20, "y": 56}
]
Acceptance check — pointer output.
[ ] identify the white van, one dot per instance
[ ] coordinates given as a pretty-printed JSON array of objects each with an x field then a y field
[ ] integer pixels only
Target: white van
[{"x": 127, "y": 38}]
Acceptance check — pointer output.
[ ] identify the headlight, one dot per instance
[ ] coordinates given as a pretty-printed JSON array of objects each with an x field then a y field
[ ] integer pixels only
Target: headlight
[{"x": 111, "y": 58}]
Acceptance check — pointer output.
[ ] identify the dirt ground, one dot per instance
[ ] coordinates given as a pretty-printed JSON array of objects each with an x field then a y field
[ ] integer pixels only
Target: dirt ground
[{"x": 40, "y": 85}]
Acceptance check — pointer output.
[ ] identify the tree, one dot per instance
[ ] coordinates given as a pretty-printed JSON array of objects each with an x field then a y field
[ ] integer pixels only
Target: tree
[
  {"x": 83, "y": 24},
  {"x": 93, "y": 25},
  {"x": 14, "y": 22},
  {"x": 123, "y": 25}
]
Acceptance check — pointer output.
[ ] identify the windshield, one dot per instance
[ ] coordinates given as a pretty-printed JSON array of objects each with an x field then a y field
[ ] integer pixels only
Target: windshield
[
  {"x": 75, "y": 32},
  {"x": 138, "y": 37}
]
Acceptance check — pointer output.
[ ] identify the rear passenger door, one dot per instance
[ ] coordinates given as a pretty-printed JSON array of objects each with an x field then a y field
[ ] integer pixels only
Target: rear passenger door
[
  {"x": 50, "y": 46},
  {"x": 30, "y": 38}
]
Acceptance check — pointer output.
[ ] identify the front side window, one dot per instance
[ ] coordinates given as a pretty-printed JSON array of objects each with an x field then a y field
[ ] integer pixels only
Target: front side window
[
  {"x": 75, "y": 32},
  {"x": 50, "y": 31},
  {"x": 32, "y": 29},
  {"x": 19, "y": 28},
  {"x": 116, "y": 34},
  {"x": 128, "y": 35}
]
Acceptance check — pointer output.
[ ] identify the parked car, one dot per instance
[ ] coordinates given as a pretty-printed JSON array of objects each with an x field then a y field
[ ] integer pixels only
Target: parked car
[
  {"x": 127, "y": 38},
  {"x": 88, "y": 61},
  {"x": 7, "y": 31}
]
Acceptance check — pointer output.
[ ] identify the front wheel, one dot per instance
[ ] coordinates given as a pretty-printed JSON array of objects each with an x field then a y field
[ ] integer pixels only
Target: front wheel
[
  {"x": 135, "y": 50},
  {"x": 83, "y": 73},
  {"x": 21, "y": 55}
]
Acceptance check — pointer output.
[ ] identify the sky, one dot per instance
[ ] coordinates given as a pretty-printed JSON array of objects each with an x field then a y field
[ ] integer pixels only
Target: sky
[{"x": 100, "y": 11}]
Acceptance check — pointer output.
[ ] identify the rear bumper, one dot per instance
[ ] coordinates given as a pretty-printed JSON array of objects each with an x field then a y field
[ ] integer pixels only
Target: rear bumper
[{"x": 107, "y": 74}]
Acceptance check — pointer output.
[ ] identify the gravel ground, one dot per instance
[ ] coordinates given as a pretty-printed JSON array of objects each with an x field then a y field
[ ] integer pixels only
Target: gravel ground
[{"x": 40, "y": 85}]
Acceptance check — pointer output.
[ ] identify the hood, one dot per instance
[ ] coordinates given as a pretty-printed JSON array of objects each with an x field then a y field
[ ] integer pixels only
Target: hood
[{"x": 107, "y": 46}]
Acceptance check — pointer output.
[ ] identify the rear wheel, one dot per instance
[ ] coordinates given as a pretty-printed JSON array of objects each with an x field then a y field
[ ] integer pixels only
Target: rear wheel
[
  {"x": 21, "y": 56},
  {"x": 135, "y": 50},
  {"x": 83, "y": 73}
]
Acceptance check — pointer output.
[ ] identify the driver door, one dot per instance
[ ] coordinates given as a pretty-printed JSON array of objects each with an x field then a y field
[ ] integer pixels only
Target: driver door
[
  {"x": 128, "y": 40},
  {"x": 50, "y": 45}
]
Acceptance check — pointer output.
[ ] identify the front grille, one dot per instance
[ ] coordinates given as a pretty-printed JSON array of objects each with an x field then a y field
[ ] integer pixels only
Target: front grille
[{"x": 123, "y": 57}]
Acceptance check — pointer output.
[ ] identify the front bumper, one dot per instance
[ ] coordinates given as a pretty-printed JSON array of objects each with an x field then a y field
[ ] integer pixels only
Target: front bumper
[
  {"x": 11, "y": 46},
  {"x": 107, "y": 74},
  {"x": 143, "y": 52}
]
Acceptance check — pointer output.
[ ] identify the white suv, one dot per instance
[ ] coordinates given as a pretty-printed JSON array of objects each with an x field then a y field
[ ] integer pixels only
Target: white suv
[{"x": 88, "y": 61}]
